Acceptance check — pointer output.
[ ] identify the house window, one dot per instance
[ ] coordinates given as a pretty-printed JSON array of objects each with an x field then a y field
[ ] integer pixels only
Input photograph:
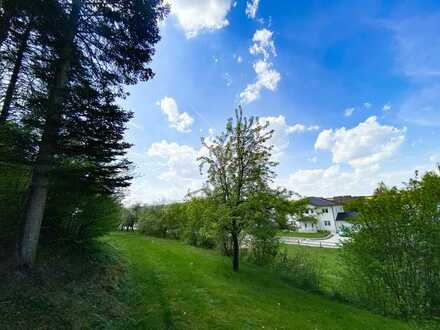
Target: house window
[
  {"x": 327, "y": 223},
  {"x": 324, "y": 210},
  {"x": 305, "y": 225}
]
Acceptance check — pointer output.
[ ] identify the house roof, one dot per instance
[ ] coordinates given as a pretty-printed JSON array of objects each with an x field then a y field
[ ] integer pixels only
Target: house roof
[
  {"x": 343, "y": 216},
  {"x": 319, "y": 201}
]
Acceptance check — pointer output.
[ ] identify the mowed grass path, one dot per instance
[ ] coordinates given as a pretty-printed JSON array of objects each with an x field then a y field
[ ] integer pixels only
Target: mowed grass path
[{"x": 176, "y": 286}]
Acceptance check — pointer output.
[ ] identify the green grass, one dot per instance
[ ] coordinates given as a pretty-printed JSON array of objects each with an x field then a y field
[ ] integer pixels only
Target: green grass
[
  {"x": 330, "y": 265},
  {"x": 181, "y": 287},
  {"x": 65, "y": 291},
  {"x": 163, "y": 284},
  {"x": 289, "y": 233}
]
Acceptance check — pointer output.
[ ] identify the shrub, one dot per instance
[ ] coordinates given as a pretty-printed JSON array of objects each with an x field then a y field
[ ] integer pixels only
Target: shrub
[
  {"x": 151, "y": 221},
  {"x": 77, "y": 210},
  {"x": 298, "y": 268},
  {"x": 80, "y": 219},
  {"x": 393, "y": 258},
  {"x": 13, "y": 183},
  {"x": 200, "y": 228}
]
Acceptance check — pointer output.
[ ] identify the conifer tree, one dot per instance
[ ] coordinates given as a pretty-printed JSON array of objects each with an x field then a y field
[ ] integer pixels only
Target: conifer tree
[{"x": 96, "y": 48}]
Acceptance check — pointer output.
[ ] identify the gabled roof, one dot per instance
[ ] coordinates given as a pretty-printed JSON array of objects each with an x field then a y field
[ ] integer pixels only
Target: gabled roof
[{"x": 319, "y": 201}]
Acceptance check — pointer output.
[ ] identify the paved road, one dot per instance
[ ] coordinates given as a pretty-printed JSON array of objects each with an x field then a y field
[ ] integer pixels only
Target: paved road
[{"x": 334, "y": 241}]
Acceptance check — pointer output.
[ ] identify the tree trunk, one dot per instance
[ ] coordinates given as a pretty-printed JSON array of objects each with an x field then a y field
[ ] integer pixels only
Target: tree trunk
[
  {"x": 236, "y": 253},
  {"x": 14, "y": 77},
  {"x": 38, "y": 189}
]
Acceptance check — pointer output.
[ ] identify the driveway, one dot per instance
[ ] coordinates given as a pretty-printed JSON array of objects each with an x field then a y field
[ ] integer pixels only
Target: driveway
[{"x": 334, "y": 241}]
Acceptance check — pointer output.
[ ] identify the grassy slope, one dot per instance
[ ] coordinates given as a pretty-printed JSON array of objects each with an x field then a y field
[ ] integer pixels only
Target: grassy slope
[
  {"x": 330, "y": 264},
  {"x": 288, "y": 233},
  {"x": 181, "y": 287},
  {"x": 65, "y": 291}
]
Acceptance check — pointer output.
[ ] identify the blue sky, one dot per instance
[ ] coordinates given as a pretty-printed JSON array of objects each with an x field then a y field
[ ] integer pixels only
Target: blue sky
[{"x": 351, "y": 88}]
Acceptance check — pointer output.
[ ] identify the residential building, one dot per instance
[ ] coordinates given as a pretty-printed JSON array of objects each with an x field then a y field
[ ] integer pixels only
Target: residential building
[{"x": 324, "y": 214}]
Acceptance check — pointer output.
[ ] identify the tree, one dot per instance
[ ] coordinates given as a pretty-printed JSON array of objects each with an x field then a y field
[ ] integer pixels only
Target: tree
[
  {"x": 393, "y": 256},
  {"x": 96, "y": 46},
  {"x": 18, "y": 62},
  {"x": 239, "y": 169}
]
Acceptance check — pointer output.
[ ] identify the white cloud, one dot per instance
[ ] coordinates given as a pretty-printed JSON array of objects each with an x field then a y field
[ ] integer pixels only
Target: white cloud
[
  {"x": 367, "y": 105},
  {"x": 251, "y": 8},
  {"x": 263, "y": 44},
  {"x": 239, "y": 59},
  {"x": 348, "y": 112},
  {"x": 366, "y": 144},
  {"x": 281, "y": 132},
  {"x": 334, "y": 180},
  {"x": 180, "y": 160},
  {"x": 387, "y": 107},
  {"x": 195, "y": 16},
  {"x": 267, "y": 77},
  {"x": 181, "y": 121},
  {"x": 435, "y": 158}
]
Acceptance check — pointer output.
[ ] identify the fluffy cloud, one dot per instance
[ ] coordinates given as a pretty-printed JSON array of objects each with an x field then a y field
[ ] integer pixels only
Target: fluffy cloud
[
  {"x": 267, "y": 77},
  {"x": 251, "y": 8},
  {"x": 281, "y": 132},
  {"x": 348, "y": 112},
  {"x": 335, "y": 180},
  {"x": 181, "y": 121},
  {"x": 367, "y": 105},
  {"x": 180, "y": 161},
  {"x": 366, "y": 144},
  {"x": 263, "y": 44},
  {"x": 195, "y": 16}
]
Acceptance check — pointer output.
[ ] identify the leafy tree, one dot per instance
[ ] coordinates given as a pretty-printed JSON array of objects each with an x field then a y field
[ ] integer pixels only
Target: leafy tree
[
  {"x": 394, "y": 253},
  {"x": 239, "y": 169},
  {"x": 202, "y": 216},
  {"x": 91, "y": 48}
]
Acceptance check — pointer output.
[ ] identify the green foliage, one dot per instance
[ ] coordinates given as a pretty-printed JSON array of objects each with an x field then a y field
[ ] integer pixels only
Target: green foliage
[
  {"x": 261, "y": 212},
  {"x": 394, "y": 254},
  {"x": 194, "y": 221},
  {"x": 201, "y": 226},
  {"x": 240, "y": 171},
  {"x": 66, "y": 290},
  {"x": 152, "y": 221},
  {"x": 80, "y": 219},
  {"x": 299, "y": 268},
  {"x": 13, "y": 184}
]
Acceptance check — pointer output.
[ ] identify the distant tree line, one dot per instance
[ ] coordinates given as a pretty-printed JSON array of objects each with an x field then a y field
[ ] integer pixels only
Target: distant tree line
[{"x": 63, "y": 68}]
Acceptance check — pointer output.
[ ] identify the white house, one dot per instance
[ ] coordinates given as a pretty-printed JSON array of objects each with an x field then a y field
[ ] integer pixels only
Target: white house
[{"x": 324, "y": 214}]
